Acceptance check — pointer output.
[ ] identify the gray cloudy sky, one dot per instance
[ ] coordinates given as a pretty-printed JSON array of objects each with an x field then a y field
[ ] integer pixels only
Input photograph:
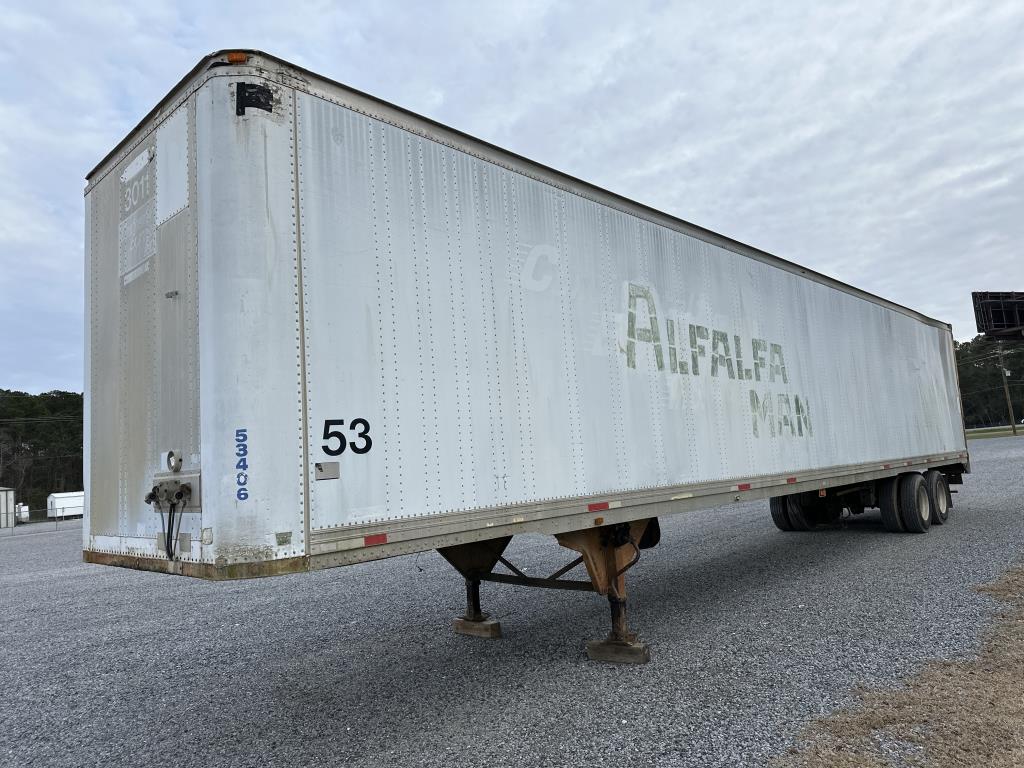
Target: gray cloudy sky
[{"x": 878, "y": 142}]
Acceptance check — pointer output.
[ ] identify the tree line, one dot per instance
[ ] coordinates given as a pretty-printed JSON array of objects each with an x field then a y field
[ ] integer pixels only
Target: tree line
[
  {"x": 40, "y": 445},
  {"x": 981, "y": 381}
]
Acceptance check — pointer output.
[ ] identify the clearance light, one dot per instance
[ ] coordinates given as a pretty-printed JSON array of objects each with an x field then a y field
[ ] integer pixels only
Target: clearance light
[{"x": 237, "y": 57}]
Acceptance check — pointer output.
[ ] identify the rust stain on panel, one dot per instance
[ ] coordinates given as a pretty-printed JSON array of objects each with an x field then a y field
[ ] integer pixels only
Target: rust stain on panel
[{"x": 201, "y": 570}]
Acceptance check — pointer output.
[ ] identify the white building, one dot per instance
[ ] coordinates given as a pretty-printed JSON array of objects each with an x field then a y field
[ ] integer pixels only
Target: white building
[{"x": 6, "y": 507}]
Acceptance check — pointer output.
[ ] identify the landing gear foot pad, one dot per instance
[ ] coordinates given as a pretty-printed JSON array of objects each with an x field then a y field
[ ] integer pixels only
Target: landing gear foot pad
[
  {"x": 618, "y": 652},
  {"x": 488, "y": 628}
]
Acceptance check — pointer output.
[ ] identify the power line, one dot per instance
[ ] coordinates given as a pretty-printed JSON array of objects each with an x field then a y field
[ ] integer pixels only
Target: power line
[
  {"x": 33, "y": 457},
  {"x": 990, "y": 389},
  {"x": 41, "y": 420},
  {"x": 978, "y": 358},
  {"x": 987, "y": 351}
]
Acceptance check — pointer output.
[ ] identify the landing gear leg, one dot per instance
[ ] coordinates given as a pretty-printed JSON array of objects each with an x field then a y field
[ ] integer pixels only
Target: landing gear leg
[
  {"x": 474, "y": 561},
  {"x": 475, "y": 622},
  {"x": 621, "y": 646},
  {"x": 609, "y": 552}
]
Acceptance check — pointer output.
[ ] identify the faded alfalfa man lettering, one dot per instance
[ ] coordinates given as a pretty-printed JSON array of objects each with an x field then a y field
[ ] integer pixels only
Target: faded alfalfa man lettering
[{"x": 711, "y": 352}]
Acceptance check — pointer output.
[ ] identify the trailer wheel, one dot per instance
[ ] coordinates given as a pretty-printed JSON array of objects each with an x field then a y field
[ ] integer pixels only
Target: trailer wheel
[
  {"x": 915, "y": 507},
  {"x": 777, "y": 505},
  {"x": 938, "y": 495},
  {"x": 800, "y": 516},
  {"x": 888, "y": 504}
]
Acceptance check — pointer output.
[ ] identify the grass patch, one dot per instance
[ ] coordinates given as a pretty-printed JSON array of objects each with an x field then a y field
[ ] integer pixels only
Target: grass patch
[
  {"x": 959, "y": 713},
  {"x": 979, "y": 434}
]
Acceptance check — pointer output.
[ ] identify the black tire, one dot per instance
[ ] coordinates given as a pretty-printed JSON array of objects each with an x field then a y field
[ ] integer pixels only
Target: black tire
[
  {"x": 915, "y": 507},
  {"x": 777, "y": 504},
  {"x": 651, "y": 535},
  {"x": 938, "y": 495},
  {"x": 888, "y": 504},
  {"x": 799, "y": 517}
]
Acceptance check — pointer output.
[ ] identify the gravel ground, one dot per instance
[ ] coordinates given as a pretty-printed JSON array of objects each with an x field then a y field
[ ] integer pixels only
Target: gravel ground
[{"x": 753, "y": 632}]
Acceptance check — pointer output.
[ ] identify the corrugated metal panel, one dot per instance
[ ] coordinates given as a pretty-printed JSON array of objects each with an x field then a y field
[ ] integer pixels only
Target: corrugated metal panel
[
  {"x": 509, "y": 342},
  {"x": 250, "y": 346},
  {"x": 103, "y": 381}
]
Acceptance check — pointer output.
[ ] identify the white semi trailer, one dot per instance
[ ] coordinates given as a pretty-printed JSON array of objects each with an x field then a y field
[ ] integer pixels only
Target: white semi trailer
[
  {"x": 324, "y": 330},
  {"x": 67, "y": 504}
]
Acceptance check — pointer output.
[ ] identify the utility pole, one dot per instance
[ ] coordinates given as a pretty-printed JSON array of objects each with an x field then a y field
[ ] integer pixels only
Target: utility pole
[{"x": 1006, "y": 391}]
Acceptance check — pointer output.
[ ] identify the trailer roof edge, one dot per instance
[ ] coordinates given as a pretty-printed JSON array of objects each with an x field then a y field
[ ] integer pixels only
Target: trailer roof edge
[{"x": 687, "y": 227}]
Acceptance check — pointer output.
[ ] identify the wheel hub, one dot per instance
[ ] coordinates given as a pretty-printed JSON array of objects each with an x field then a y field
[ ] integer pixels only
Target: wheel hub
[{"x": 923, "y": 508}]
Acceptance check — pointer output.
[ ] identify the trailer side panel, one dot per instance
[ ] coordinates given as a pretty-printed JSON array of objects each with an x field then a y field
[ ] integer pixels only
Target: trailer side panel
[{"x": 503, "y": 341}]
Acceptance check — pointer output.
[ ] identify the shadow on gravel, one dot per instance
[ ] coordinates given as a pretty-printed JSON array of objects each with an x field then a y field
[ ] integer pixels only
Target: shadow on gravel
[{"x": 951, "y": 714}]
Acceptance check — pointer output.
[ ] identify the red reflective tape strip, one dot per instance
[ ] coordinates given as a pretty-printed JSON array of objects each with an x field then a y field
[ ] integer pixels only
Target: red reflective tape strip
[
  {"x": 790, "y": 480},
  {"x": 377, "y": 538},
  {"x": 887, "y": 466},
  {"x": 743, "y": 487},
  {"x": 600, "y": 506}
]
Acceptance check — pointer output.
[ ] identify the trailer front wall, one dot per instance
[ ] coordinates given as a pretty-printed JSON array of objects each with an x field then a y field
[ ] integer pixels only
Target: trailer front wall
[
  {"x": 476, "y": 338},
  {"x": 142, "y": 340}
]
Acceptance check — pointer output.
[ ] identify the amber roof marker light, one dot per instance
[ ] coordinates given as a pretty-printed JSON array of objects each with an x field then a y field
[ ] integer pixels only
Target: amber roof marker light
[{"x": 237, "y": 57}]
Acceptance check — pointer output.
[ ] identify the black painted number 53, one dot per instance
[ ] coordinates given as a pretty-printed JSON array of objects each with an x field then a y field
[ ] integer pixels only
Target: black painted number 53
[{"x": 360, "y": 426}]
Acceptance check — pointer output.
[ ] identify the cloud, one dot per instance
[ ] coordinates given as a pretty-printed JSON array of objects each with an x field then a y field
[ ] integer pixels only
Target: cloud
[{"x": 876, "y": 142}]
